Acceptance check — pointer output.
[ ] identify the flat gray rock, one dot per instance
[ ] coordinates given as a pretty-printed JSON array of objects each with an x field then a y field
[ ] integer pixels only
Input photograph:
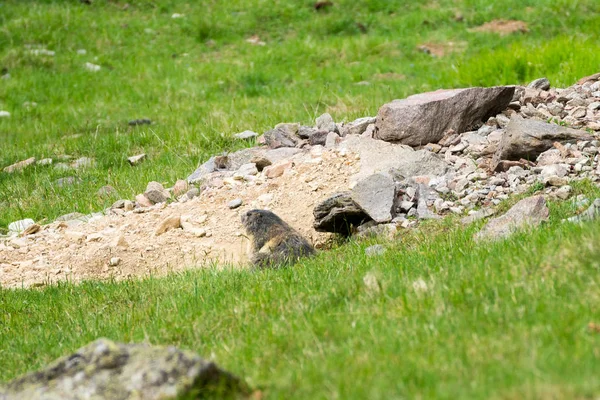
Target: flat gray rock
[
  {"x": 280, "y": 137},
  {"x": 325, "y": 122},
  {"x": 245, "y": 135},
  {"x": 528, "y": 138},
  {"x": 156, "y": 193},
  {"x": 375, "y": 195},
  {"x": 21, "y": 225},
  {"x": 424, "y": 118},
  {"x": 529, "y": 212},
  {"x": 358, "y": 126},
  {"x": 107, "y": 370}
]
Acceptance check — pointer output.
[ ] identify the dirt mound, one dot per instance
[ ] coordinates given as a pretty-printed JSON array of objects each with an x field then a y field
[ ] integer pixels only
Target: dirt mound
[{"x": 124, "y": 246}]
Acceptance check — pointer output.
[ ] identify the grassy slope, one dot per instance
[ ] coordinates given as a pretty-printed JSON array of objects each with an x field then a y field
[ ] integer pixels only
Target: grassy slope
[
  {"x": 201, "y": 82},
  {"x": 506, "y": 320}
]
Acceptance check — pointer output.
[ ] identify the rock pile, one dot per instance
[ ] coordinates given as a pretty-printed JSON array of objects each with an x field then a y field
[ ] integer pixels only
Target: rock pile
[{"x": 458, "y": 152}]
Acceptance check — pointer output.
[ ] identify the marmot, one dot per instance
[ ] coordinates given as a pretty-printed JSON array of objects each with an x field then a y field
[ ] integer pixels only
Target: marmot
[{"x": 274, "y": 243}]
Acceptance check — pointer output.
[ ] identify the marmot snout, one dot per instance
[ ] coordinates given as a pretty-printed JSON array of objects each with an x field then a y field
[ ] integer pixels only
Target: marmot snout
[{"x": 274, "y": 242}]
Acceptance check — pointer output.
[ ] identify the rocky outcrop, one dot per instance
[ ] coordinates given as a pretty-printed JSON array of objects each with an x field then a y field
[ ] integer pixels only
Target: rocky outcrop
[
  {"x": 107, "y": 370},
  {"x": 528, "y": 138},
  {"x": 375, "y": 196},
  {"x": 425, "y": 118},
  {"x": 339, "y": 214}
]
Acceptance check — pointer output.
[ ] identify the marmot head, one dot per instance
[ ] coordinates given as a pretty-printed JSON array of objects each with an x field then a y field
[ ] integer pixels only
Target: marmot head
[{"x": 256, "y": 221}]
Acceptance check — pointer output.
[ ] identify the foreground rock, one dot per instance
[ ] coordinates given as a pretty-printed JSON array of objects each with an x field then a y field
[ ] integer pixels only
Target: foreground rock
[
  {"x": 527, "y": 138},
  {"x": 107, "y": 370},
  {"x": 424, "y": 118},
  {"x": 528, "y": 212},
  {"x": 21, "y": 165},
  {"x": 375, "y": 195},
  {"x": 339, "y": 214}
]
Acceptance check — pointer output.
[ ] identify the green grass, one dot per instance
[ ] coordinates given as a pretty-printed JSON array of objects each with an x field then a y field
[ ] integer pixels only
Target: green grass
[
  {"x": 200, "y": 81},
  {"x": 506, "y": 320}
]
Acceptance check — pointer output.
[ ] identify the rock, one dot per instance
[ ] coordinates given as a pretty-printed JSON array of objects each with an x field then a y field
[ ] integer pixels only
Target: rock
[
  {"x": 119, "y": 243},
  {"x": 358, "y": 126},
  {"x": 304, "y": 132},
  {"x": 143, "y": 201},
  {"x": 338, "y": 214},
  {"x": 21, "y": 165},
  {"x": 72, "y": 216},
  {"x": 83, "y": 162},
  {"x": 193, "y": 192},
  {"x": 540, "y": 84},
  {"x": 559, "y": 170},
  {"x": 549, "y": 157},
  {"x": 564, "y": 192},
  {"x": 424, "y": 118},
  {"x": 245, "y": 135},
  {"x": 92, "y": 67},
  {"x": 180, "y": 187},
  {"x": 171, "y": 222},
  {"x": 318, "y": 138},
  {"x": 44, "y": 161},
  {"x": 423, "y": 211},
  {"x": 529, "y": 212},
  {"x": 528, "y": 138},
  {"x": 106, "y": 191},
  {"x": 235, "y": 203},
  {"x": 247, "y": 169},
  {"x": 108, "y": 370},
  {"x": 21, "y": 225},
  {"x": 4, "y": 114},
  {"x": 280, "y": 137},
  {"x": 277, "y": 169},
  {"x": 137, "y": 159},
  {"x": 326, "y": 123},
  {"x": 375, "y": 196},
  {"x": 66, "y": 181},
  {"x": 375, "y": 250},
  {"x": 377, "y": 156},
  {"x": 476, "y": 216},
  {"x": 591, "y": 213},
  {"x": 332, "y": 140},
  {"x": 114, "y": 261},
  {"x": 31, "y": 229},
  {"x": 555, "y": 181},
  {"x": 202, "y": 171},
  {"x": 156, "y": 193},
  {"x": 260, "y": 162}
]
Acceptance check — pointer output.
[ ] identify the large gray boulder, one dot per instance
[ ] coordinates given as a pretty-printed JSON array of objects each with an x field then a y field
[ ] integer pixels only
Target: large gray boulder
[
  {"x": 528, "y": 138},
  {"x": 107, "y": 370},
  {"x": 339, "y": 214},
  {"x": 424, "y": 118},
  {"x": 529, "y": 212}
]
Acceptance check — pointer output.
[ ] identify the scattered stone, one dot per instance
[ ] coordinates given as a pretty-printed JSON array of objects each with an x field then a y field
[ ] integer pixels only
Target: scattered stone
[
  {"x": 528, "y": 212},
  {"x": 331, "y": 140},
  {"x": 375, "y": 196},
  {"x": 108, "y": 370},
  {"x": 319, "y": 138},
  {"x": 83, "y": 162},
  {"x": 20, "y": 226},
  {"x": 326, "y": 123},
  {"x": 423, "y": 211},
  {"x": 135, "y": 160},
  {"x": 247, "y": 169},
  {"x": 156, "y": 193},
  {"x": 67, "y": 181},
  {"x": 92, "y": 67},
  {"x": 44, "y": 161},
  {"x": 114, "y": 261},
  {"x": 202, "y": 171},
  {"x": 193, "y": 192},
  {"x": 375, "y": 250},
  {"x": 564, "y": 192},
  {"x": 235, "y": 203},
  {"x": 245, "y": 135},
  {"x": 171, "y": 222},
  {"x": 527, "y": 138},
  {"x": 31, "y": 229},
  {"x": 4, "y": 114},
  {"x": 591, "y": 213},
  {"x": 555, "y": 181},
  {"x": 277, "y": 169},
  {"x": 424, "y": 118},
  {"x": 260, "y": 162},
  {"x": 143, "y": 201},
  {"x": 21, "y": 165},
  {"x": 280, "y": 137},
  {"x": 181, "y": 187},
  {"x": 137, "y": 122},
  {"x": 476, "y": 216},
  {"x": 540, "y": 84},
  {"x": 339, "y": 214},
  {"x": 358, "y": 126}
]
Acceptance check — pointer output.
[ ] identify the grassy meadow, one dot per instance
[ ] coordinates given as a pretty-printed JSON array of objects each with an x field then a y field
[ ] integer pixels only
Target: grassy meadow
[{"x": 436, "y": 316}]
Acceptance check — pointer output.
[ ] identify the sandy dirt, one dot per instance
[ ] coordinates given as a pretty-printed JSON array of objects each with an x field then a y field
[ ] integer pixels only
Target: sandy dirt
[{"x": 84, "y": 251}]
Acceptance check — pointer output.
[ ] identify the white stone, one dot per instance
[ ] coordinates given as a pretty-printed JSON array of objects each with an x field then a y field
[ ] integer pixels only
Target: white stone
[{"x": 21, "y": 225}]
